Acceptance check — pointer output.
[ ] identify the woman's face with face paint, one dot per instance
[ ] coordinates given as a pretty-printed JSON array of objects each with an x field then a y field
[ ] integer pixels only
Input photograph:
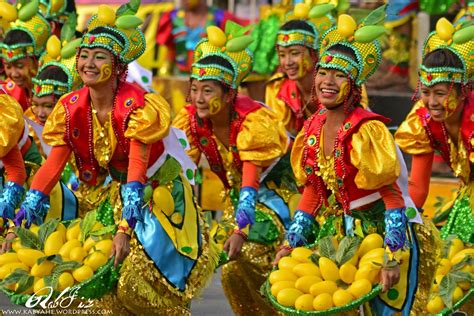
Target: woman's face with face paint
[
  {"x": 295, "y": 61},
  {"x": 208, "y": 97},
  {"x": 440, "y": 101},
  {"x": 95, "y": 66},
  {"x": 21, "y": 71},
  {"x": 331, "y": 86}
]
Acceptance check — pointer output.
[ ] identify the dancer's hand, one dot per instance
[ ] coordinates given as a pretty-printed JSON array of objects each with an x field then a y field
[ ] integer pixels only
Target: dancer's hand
[
  {"x": 389, "y": 277},
  {"x": 284, "y": 251},
  {"x": 233, "y": 245},
  {"x": 7, "y": 242},
  {"x": 120, "y": 248}
]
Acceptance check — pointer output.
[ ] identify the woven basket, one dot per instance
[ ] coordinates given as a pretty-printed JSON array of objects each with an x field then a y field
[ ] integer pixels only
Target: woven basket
[{"x": 333, "y": 310}]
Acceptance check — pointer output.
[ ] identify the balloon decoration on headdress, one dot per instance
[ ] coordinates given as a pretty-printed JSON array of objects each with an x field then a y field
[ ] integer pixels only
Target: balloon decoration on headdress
[
  {"x": 120, "y": 33},
  {"x": 61, "y": 54},
  {"x": 460, "y": 41},
  {"x": 231, "y": 45},
  {"x": 28, "y": 20},
  {"x": 361, "y": 39}
]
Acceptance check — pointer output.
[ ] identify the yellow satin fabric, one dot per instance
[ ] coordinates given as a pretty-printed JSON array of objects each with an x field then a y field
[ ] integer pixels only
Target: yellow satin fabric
[
  {"x": 147, "y": 124},
  {"x": 261, "y": 139},
  {"x": 411, "y": 136},
  {"x": 11, "y": 123},
  {"x": 373, "y": 154}
]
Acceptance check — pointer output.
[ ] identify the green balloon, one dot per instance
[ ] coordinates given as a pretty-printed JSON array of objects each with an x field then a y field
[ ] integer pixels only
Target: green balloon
[
  {"x": 320, "y": 10},
  {"x": 70, "y": 49},
  {"x": 28, "y": 10},
  {"x": 239, "y": 43},
  {"x": 128, "y": 22},
  {"x": 464, "y": 35},
  {"x": 368, "y": 33}
]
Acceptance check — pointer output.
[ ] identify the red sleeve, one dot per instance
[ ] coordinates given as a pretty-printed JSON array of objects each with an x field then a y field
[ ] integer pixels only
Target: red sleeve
[
  {"x": 419, "y": 183},
  {"x": 14, "y": 166},
  {"x": 310, "y": 200},
  {"x": 250, "y": 175},
  {"x": 392, "y": 196},
  {"x": 138, "y": 161},
  {"x": 164, "y": 34},
  {"x": 50, "y": 172}
]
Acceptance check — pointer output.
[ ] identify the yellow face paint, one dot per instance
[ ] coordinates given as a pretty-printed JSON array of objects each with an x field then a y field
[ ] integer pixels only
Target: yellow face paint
[
  {"x": 105, "y": 72},
  {"x": 215, "y": 105},
  {"x": 304, "y": 64},
  {"x": 343, "y": 91},
  {"x": 451, "y": 103}
]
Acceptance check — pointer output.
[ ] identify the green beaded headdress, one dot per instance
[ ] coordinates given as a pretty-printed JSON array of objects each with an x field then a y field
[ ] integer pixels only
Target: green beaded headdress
[
  {"x": 116, "y": 32},
  {"x": 29, "y": 21},
  {"x": 362, "y": 40},
  {"x": 54, "y": 9},
  {"x": 317, "y": 19},
  {"x": 231, "y": 45},
  {"x": 458, "y": 40}
]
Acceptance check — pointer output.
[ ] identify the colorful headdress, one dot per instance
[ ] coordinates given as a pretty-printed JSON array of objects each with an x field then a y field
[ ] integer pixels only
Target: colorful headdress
[
  {"x": 29, "y": 21},
  {"x": 360, "y": 39},
  {"x": 316, "y": 19},
  {"x": 231, "y": 46},
  {"x": 458, "y": 40},
  {"x": 55, "y": 10},
  {"x": 61, "y": 54},
  {"x": 116, "y": 32}
]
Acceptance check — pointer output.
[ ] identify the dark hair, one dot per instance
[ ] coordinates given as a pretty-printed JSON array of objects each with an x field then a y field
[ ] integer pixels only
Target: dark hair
[
  {"x": 214, "y": 59},
  {"x": 17, "y": 37},
  {"x": 54, "y": 73},
  {"x": 70, "y": 6},
  {"x": 297, "y": 25},
  {"x": 342, "y": 49},
  {"x": 442, "y": 58},
  {"x": 101, "y": 29}
]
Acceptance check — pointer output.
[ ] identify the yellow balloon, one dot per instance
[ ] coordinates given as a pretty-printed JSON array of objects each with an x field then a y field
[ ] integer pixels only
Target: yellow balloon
[
  {"x": 106, "y": 14},
  {"x": 216, "y": 36},
  {"x": 56, "y": 5},
  {"x": 445, "y": 29},
  {"x": 346, "y": 25},
  {"x": 301, "y": 10},
  {"x": 7, "y": 12},
  {"x": 53, "y": 46}
]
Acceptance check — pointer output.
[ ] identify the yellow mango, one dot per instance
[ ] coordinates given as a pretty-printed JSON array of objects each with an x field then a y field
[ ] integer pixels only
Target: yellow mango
[
  {"x": 68, "y": 246},
  {"x": 89, "y": 243},
  {"x": 302, "y": 269},
  {"x": 341, "y": 297},
  {"x": 305, "y": 282},
  {"x": 323, "y": 287},
  {"x": 62, "y": 230},
  {"x": 96, "y": 260},
  {"x": 457, "y": 294},
  {"x": 373, "y": 253},
  {"x": 304, "y": 302},
  {"x": 73, "y": 230},
  {"x": 17, "y": 245},
  {"x": 282, "y": 275},
  {"x": 34, "y": 229},
  {"x": 287, "y": 263},
  {"x": 278, "y": 286},
  {"x": 443, "y": 267},
  {"x": 83, "y": 273},
  {"x": 368, "y": 272},
  {"x": 360, "y": 288},
  {"x": 29, "y": 256},
  {"x": 456, "y": 246},
  {"x": 461, "y": 255},
  {"x": 53, "y": 243},
  {"x": 435, "y": 305},
  {"x": 301, "y": 254},
  {"x": 43, "y": 269},
  {"x": 288, "y": 296},
  {"x": 329, "y": 269},
  {"x": 77, "y": 254},
  {"x": 65, "y": 280},
  {"x": 40, "y": 288},
  {"x": 104, "y": 246},
  {"x": 347, "y": 272},
  {"x": 370, "y": 242},
  {"x": 323, "y": 302},
  {"x": 8, "y": 258}
]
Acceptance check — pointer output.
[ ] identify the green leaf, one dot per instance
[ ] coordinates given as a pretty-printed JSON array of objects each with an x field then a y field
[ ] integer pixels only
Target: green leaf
[
  {"x": 54, "y": 280},
  {"x": 129, "y": 8},
  {"x": 460, "y": 276},
  {"x": 446, "y": 289},
  {"x": 24, "y": 283},
  {"x": 375, "y": 17},
  {"x": 347, "y": 249},
  {"x": 326, "y": 247},
  {"x": 105, "y": 230},
  {"x": 66, "y": 266},
  {"x": 87, "y": 224},
  {"x": 53, "y": 258},
  {"x": 28, "y": 239},
  {"x": 315, "y": 258},
  {"x": 14, "y": 277},
  {"x": 168, "y": 171},
  {"x": 68, "y": 31},
  {"x": 244, "y": 30},
  {"x": 47, "y": 229}
]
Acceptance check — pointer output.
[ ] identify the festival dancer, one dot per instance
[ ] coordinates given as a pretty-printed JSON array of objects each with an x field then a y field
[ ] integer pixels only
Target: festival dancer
[
  {"x": 116, "y": 128},
  {"x": 23, "y": 44},
  {"x": 347, "y": 152},
  {"x": 242, "y": 141},
  {"x": 441, "y": 121}
]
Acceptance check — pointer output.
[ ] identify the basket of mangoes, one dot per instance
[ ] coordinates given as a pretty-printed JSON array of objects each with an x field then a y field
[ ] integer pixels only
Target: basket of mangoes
[
  {"x": 59, "y": 257},
  {"x": 334, "y": 277},
  {"x": 453, "y": 285}
]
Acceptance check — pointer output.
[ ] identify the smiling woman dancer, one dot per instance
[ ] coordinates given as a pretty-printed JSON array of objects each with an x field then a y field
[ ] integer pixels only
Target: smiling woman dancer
[
  {"x": 346, "y": 151},
  {"x": 115, "y": 128}
]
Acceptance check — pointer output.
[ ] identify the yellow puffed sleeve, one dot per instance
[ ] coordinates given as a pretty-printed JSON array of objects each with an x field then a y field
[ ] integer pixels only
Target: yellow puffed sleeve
[
  {"x": 297, "y": 156},
  {"x": 282, "y": 111},
  {"x": 55, "y": 126},
  {"x": 411, "y": 136},
  {"x": 373, "y": 154},
  {"x": 12, "y": 123},
  {"x": 262, "y": 138},
  {"x": 151, "y": 122},
  {"x": 181, "y": 121}
]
